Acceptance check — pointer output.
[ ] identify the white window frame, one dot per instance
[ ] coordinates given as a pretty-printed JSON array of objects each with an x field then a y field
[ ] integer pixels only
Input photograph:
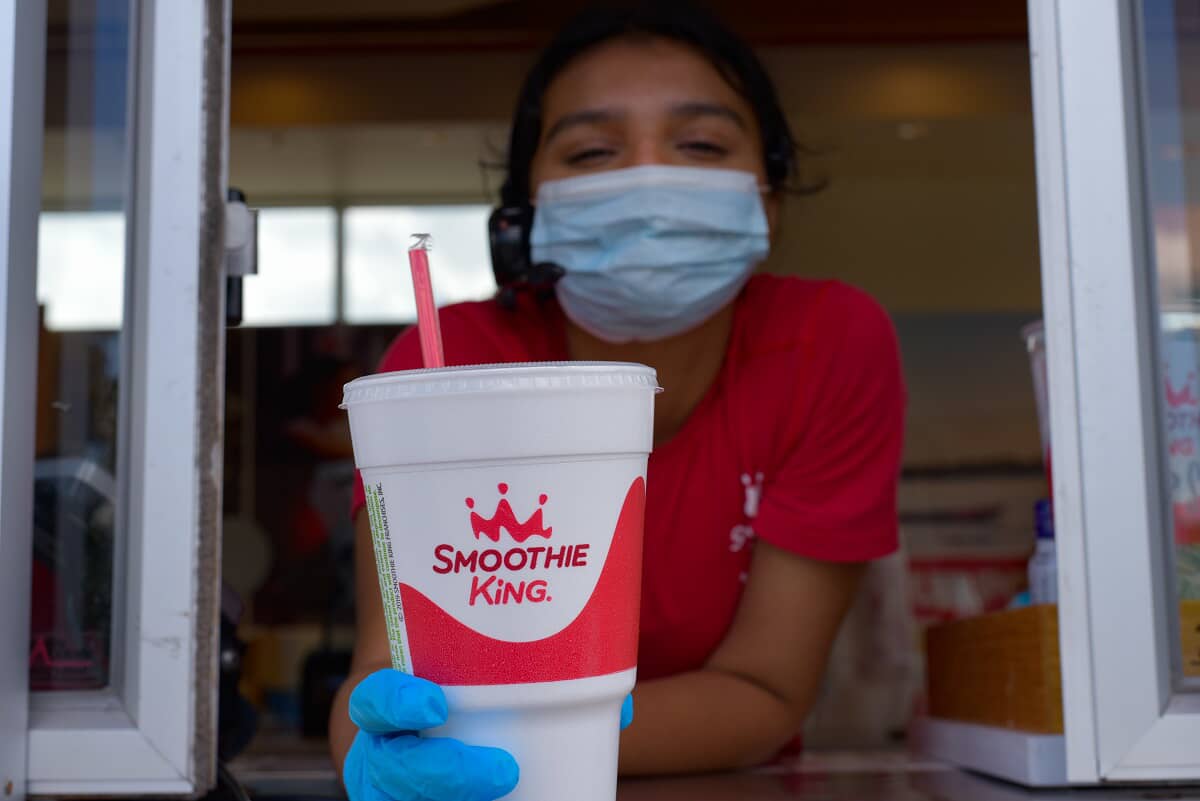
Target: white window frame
[
  {"x": 153, "y": 731},
  {"x": 1124, "y": 719},
  {"x": 22, "y": 60}
]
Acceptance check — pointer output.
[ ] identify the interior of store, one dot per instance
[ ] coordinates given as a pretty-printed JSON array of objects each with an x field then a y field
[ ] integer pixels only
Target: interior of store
[
  {"x": 354, "y": 124},
  {"x": 922, "y": 130}
]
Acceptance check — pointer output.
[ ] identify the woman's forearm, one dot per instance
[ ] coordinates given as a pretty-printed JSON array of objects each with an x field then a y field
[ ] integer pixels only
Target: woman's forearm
[{"x": 704, "y": 720}]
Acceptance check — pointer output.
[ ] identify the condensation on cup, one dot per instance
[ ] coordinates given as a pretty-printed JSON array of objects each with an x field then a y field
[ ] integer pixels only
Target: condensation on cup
[{"x": 506, "y": 509}]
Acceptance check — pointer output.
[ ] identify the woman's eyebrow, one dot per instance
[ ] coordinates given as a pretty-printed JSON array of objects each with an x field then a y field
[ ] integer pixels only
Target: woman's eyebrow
[
  {"x": 594, "y": 116},
  {"x": 599, "y": 116},
  {"x": 707, "y": 109}
]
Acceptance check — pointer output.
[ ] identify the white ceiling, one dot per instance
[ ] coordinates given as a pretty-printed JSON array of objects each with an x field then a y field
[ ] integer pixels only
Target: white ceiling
[{"x": 443, "y": 162}]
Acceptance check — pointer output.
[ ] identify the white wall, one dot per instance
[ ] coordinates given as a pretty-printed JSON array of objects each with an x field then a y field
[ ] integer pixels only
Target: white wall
[{"x": 929, "y": 152}]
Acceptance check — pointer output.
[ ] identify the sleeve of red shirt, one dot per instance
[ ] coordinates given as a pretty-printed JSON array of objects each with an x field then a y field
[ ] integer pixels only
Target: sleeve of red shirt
[
  {"x": 403, "y": 354},
  {"x": 834, "y": 498}
]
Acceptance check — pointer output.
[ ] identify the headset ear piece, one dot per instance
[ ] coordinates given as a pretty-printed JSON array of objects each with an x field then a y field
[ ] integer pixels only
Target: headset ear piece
[
  {"x": 508, "y": 231},
  {"x": 508, "y": 234}
]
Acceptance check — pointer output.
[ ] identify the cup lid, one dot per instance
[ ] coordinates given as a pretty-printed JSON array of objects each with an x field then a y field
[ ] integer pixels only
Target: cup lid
[{"x": 492, "y": 378}]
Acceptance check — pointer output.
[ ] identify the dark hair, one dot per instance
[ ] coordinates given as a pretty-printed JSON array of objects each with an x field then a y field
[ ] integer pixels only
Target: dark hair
[{"x": 669, "y": 19}]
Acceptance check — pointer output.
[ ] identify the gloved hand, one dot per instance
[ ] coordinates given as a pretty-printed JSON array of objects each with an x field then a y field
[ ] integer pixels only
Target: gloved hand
[{"x": 389, "y": 762}]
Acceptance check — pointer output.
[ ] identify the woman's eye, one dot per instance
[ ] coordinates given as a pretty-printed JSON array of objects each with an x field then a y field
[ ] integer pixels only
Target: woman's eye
[
  {"x": 590, "y": 156},
  {"x": 704, "y": 149}
]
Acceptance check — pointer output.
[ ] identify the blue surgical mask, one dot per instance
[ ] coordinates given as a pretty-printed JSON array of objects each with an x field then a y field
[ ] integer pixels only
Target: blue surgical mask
[{"x": 649, "y": 252}]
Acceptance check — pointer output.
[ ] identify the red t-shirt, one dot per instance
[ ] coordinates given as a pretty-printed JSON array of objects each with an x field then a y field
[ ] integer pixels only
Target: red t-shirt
[{"x": 797, "y": 443}]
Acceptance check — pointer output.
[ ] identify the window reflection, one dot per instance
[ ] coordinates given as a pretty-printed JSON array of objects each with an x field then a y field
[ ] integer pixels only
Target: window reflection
[
  {"x": 81, "y": 284},
  {"x": 1171, "y": 130},
  {"x": 81, "y": 269}
]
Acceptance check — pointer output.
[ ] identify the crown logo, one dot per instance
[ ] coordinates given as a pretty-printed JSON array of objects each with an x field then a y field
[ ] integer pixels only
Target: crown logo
[
  {"x": 1183, "y": 396},
  {"x": 505, "y": 518}
]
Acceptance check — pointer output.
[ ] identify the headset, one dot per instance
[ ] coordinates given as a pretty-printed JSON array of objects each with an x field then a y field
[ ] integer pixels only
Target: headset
[{"x": 508, "y": 232}]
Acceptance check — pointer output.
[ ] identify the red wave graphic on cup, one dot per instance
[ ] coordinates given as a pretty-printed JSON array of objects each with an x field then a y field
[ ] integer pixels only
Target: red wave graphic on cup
[
  {"x": 601, "y": 640},
  {"x": 506, "y": 519}
]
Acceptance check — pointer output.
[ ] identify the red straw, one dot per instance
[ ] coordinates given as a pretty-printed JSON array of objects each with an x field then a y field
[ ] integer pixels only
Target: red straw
[{"x": 427, "y": 315}]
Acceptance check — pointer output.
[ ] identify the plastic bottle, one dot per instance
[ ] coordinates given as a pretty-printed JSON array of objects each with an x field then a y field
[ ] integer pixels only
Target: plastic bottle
[{"x": 1043, "y": 565}]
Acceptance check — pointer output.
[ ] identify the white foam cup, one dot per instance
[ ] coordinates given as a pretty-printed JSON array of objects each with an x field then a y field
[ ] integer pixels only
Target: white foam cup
[{"x": 506, "y": 507}]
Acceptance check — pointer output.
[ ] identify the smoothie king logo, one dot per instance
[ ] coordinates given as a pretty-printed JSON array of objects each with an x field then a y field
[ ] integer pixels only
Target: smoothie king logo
[{"x": 482, "y": 564}]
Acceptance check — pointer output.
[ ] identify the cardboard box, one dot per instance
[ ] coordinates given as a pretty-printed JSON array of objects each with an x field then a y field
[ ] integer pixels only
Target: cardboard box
[
  {"x": 1000, "y": 669},
  {"x": 1189, "y": 622}
]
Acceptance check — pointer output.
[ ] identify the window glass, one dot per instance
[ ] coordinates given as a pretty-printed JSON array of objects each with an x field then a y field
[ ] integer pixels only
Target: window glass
[
  {"x": 81, "y": 267},
  {"x": 1171, "y": 104},
  {"x": 80, "y": 287}
]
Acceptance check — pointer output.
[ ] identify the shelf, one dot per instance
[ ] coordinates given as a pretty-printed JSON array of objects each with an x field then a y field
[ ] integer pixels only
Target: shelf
[{"x": 1033, "y": 760}]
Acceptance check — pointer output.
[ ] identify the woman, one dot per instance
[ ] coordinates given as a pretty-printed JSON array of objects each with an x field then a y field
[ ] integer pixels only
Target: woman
[{"x": 652, "y": 146}]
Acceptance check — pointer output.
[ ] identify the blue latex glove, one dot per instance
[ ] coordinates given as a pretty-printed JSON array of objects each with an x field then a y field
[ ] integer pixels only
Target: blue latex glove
[
  {"x": 627, "y": 712},
  {"x": 388, "y": 762}
]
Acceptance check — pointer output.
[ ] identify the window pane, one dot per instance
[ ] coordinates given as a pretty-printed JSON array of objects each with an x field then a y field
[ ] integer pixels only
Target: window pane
[
  {"x": 378, "y": 282},
  {"x": 80, "y": 287},
  {"x": 81, "y": 269},
  {"x": 296, "y": 282},
  {"x": 1172, "y": 128}
]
